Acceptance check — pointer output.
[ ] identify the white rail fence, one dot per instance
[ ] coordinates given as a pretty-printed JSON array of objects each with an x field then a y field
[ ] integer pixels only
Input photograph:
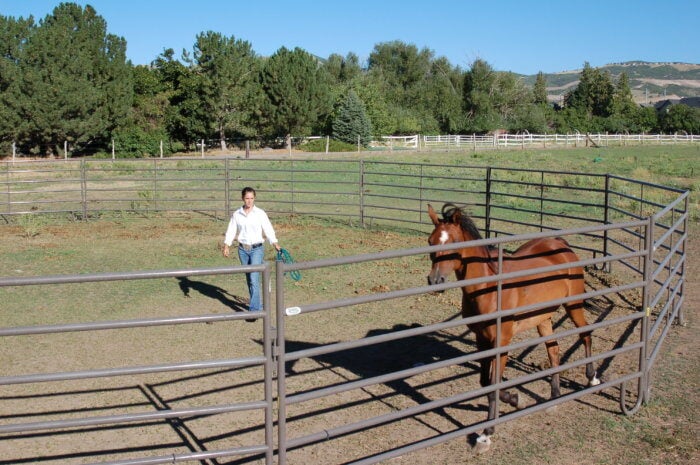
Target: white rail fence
[
  {"x": 550, "y": 140},
  {"x": 474, "y": 141},
  {"x": 443, "y": 142}
]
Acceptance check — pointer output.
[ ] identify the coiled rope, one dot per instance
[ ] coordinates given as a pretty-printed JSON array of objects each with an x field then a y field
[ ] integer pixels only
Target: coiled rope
[{"x": 284, "y": 256}]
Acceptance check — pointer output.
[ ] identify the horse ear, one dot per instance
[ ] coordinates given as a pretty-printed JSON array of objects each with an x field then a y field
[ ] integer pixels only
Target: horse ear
[
  {"x": 457, "y": 216},
  {"x": 433, "y": 215}
]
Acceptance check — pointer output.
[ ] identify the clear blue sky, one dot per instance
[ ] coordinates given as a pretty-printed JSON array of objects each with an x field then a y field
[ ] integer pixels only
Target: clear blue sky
[{"x": 520, "y": 36}]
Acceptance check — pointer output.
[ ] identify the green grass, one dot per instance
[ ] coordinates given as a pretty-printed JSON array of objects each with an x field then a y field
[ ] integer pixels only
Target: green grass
[{"x": 662, "y": 432}]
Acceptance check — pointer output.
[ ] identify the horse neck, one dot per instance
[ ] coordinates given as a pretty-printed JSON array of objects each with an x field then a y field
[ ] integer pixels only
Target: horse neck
[{"x": 476, "y": 262}]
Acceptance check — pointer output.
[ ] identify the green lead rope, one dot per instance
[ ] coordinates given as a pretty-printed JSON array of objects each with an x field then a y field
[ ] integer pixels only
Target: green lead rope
[{"x": 284, "y": 256}]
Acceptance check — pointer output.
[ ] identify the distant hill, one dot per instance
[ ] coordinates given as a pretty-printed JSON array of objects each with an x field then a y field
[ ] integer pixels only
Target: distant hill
[{"x": 650, "y": 82}]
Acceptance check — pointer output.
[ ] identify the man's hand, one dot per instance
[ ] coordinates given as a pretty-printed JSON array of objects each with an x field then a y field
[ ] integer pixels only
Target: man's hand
[{"x": 226, "y": 251}]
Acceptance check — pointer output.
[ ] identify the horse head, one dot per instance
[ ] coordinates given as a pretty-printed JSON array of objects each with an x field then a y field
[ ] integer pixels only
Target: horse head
[{"x": 447, "y": 230}]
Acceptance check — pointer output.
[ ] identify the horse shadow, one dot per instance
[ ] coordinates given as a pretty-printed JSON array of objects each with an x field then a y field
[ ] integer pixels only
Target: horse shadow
[
  {"x": 388, "y": 357},
  {"x": 234, "y": 302}
]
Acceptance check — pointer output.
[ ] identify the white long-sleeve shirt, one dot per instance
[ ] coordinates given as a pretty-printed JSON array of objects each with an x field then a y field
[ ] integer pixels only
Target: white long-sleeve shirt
[{"x": 249, "y": 228}]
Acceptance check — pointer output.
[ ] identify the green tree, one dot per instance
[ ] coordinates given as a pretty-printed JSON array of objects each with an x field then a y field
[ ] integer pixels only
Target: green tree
[
  {"x": 229, "y": 89},
  {"x": 680, "y": 118},
  {"x": 185, "y": 120},
  {"x": 442, "y": 96},
  {"x": 594, "y": 93},
  {"x": 352, "y": 122},
  {"x": 623, "y": 101},
  {"x": 492, "y": 100},
  {"x": 401, "y": 72},
  {"x": 403, "y": 67},
  {"x": 297, "y": 93},
  {"x": 376, "y": 107},
  {"x": 75, "y": 79},
  {"x": 343, "y": 69},
  {"x": 13, "y": 34},
  {"x": 540, "y": 89},
  {"x": 145, "y": 130}
]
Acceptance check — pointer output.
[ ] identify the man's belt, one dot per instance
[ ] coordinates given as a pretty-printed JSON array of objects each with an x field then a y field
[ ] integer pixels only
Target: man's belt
[{"x": 249, "y": 247}]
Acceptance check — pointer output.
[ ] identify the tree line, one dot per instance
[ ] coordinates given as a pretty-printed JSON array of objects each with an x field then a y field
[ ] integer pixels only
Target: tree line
[{"x": 65, "y": 78}]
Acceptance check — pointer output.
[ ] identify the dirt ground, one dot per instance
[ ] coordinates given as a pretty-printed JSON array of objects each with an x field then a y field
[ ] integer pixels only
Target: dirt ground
[{"x": 590, "y": 430}]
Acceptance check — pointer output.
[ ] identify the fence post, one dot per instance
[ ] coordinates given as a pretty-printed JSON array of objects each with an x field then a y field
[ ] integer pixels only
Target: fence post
[
  {"x": 83, "y": 188},
  {"x": 280, "y": 339},
  {"x": 14, "y": 150},
  {"x": 155, "y": 184},
  {"x": 112, "y": 149},
  {"x": 606, "y": 220},
  {"x": 65, "y": 150},
  {"x": 362, "y": 193},
  {"x": 161, "y": 148},
  {"x": 328, "y": 141},
  {"x": 487, "y": 205},
  {"x": 644, "y": 391},
  {"x": 202, "y": 148},
  {"x": 227, "y": 187},
  {"x": 9, "y": 191},
  {"x": 247, "y": 148}
]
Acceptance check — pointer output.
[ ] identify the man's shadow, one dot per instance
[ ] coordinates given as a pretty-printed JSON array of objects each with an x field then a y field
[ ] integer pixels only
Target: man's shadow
[{"x": 236, "y": 303}]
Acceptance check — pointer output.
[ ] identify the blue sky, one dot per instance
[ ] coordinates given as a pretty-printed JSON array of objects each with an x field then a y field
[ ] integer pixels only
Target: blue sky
[{"x": 520, "y": 36}]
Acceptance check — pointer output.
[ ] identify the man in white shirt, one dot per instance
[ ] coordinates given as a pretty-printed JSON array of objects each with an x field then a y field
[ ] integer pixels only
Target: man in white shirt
[{"x": 249, "y": 223}]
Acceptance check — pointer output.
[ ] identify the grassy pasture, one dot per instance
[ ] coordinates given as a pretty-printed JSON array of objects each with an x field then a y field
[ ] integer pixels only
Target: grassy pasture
[{"x": 581, "y": 432}]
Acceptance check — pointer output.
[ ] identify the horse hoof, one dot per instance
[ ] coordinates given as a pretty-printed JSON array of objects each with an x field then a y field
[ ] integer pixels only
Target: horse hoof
[
  {"x": 594, "y": 381},
  {"x": 521, "y": 404},
  {"x": 483, "y": 444}
]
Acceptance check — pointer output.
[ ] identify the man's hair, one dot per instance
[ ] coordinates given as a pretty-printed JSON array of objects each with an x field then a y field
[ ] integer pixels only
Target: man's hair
[{"x": 247, "y": 190}]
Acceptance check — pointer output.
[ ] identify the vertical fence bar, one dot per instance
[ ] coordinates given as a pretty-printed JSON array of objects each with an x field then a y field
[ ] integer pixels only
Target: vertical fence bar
[
  {"x": 541, "y": 201},
  {"x": 644, "y": 391},
  {"x": 681, "y": 291},
  {"x": 487, "y": 213},
  {"x": 606, "y": 220},
  {"x": 362, "y": 192},
  {"x": 155, "y": 184},
  {"x": 280, "y": 353},
  {"x": 291, "y": 165},
  {"x": 268, "y": 335},
  {"x": 83, "y": 188},
  {"x": 227, "y": 188},
  {"x": 421, "y": 196},
  {"x": 7, "y": 188}
]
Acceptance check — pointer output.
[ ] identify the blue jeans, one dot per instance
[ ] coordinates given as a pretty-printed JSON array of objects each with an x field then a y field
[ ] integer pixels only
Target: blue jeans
[{"x": 253, "y": 257}]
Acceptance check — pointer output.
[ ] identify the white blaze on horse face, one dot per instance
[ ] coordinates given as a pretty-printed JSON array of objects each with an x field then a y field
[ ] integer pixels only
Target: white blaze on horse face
[{"x": 443, "y": 237}]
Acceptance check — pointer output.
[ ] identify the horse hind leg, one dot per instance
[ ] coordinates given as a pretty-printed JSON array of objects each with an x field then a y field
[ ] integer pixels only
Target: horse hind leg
[
  {"x": 545, "y": 329},
  {"x": 575, "y": 311}
]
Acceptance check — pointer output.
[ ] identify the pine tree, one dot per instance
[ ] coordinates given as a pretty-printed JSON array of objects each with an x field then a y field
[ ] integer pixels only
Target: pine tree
[
  {"x": 75, "y": 79},
  {"x": 13, "y": 34},
  {"x": 229, "y": 90},
  {"x": 540, "y": 89},
  {"x": 352, "y": 122},
  {"x": 297, "y": 91}
]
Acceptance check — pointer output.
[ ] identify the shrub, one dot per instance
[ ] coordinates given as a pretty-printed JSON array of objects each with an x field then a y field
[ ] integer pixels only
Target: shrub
[{"x": 319, "y": 145}]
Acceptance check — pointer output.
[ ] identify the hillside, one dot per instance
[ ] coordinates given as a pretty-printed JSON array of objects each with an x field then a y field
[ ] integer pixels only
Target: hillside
[{"x": 649, "y": 82}]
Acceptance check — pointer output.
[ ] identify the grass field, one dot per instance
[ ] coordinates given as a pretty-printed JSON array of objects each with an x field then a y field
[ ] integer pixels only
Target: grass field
[{"x": 590, "y": 431}]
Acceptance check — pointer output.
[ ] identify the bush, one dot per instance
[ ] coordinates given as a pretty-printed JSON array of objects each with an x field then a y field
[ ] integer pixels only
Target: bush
[
  {"x": 137, "y": 143},
  {"x": 319, "y": 145}
]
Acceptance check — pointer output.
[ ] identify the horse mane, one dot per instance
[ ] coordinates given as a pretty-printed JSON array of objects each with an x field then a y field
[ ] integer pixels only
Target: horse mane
[{"x": 466, "y": 223}]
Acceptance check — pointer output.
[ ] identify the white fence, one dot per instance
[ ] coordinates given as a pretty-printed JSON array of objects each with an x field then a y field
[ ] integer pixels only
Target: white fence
[{"x": 473, "y": 141}]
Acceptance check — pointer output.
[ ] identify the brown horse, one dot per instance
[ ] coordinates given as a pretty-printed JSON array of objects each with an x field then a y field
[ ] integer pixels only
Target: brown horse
[{"x": 477, "y": 299}]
